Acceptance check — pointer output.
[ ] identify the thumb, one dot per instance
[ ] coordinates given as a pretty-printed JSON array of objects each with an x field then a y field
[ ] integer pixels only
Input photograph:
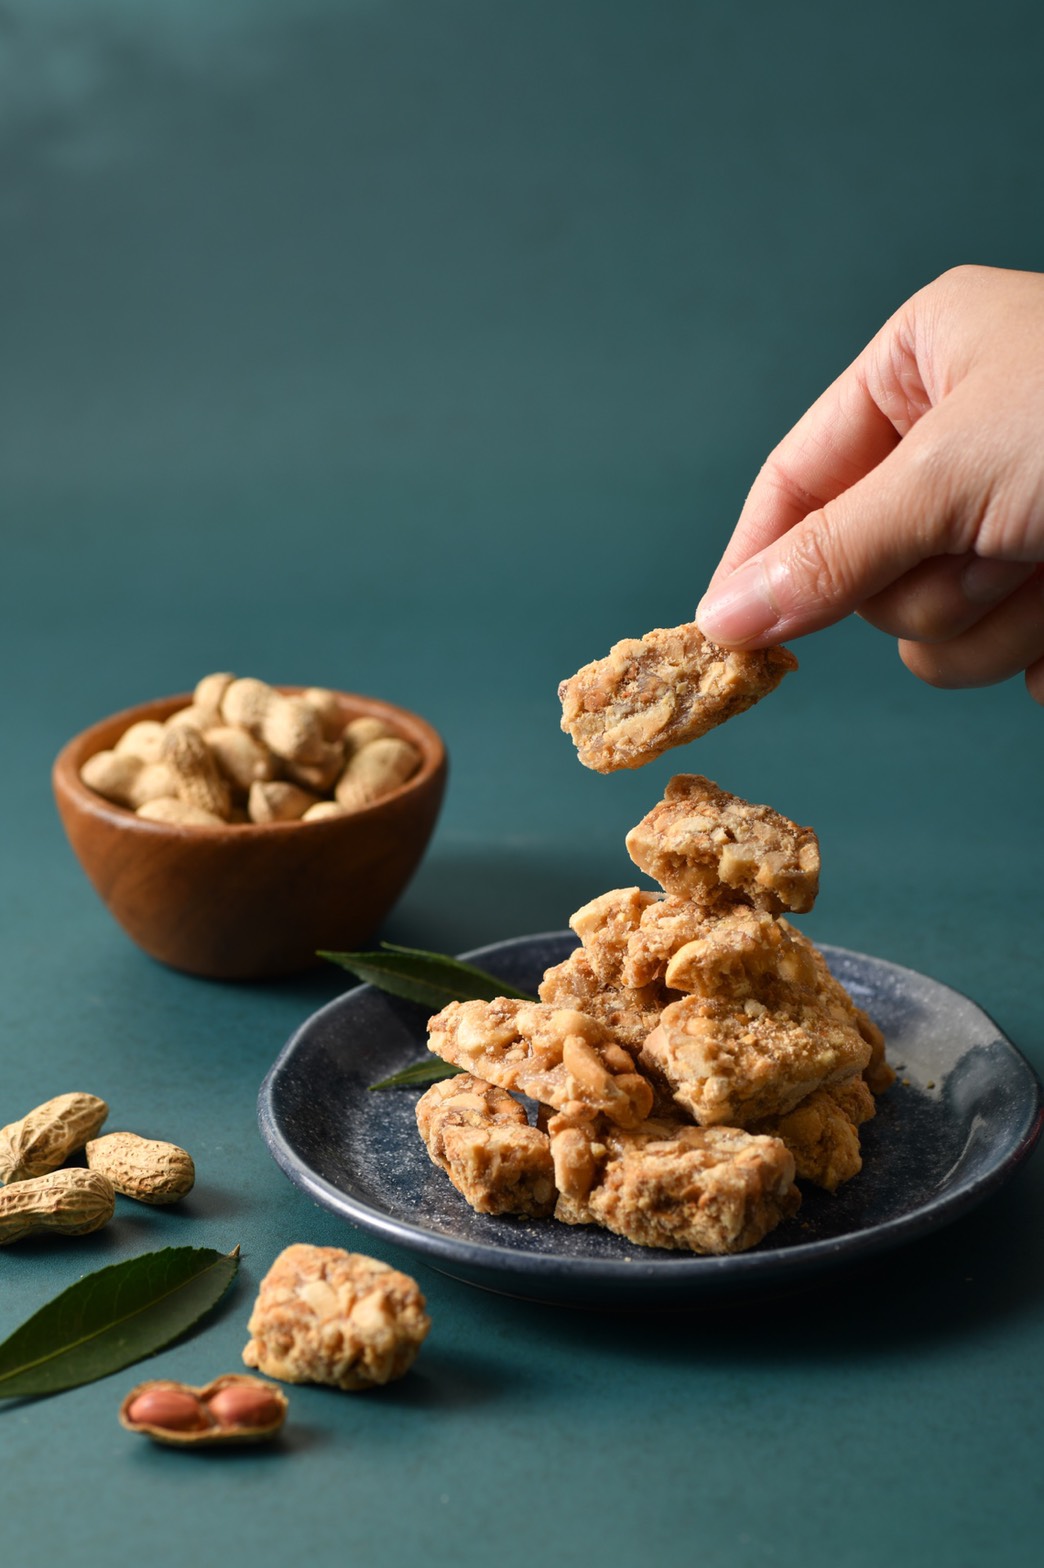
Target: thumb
[{"x": 924, "y": 499}]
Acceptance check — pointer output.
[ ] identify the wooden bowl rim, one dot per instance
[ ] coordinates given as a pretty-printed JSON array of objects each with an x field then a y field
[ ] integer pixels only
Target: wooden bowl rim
[{"x": 66, "y": 780}]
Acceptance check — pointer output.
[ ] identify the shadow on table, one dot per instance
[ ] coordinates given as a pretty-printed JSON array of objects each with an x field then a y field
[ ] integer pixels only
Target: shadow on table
[{"x": 984, "y": 1271}]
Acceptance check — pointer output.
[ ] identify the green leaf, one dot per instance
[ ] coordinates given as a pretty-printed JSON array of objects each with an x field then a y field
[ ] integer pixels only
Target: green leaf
[
  {"x": 419, "y": 1075},
  {"x": 112, "y": 1318},
  {"x": 432, "y": 979}
]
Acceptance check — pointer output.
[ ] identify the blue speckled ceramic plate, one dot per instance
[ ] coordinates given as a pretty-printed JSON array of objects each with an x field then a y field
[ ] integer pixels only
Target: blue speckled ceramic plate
[{"x": 967, "y": 1111}]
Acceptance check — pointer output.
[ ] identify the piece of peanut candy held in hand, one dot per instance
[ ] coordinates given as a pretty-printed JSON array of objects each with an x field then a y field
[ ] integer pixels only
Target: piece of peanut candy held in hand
[{"x": 661, "y": 690}]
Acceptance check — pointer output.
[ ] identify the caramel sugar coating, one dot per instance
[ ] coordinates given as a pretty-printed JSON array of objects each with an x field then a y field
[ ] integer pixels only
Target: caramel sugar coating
[{"x": 822, "y": 1133}]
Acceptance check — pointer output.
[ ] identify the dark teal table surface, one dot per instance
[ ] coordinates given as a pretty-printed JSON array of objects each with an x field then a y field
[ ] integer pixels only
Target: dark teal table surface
[{"x": 424, "y": 350}]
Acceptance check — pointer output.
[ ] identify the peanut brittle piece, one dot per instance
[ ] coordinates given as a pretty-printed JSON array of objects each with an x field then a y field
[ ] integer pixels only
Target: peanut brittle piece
[
  {"x": 821, "y": 1132},
  {"x": 661, "y": 690},
  {"x": 626, "y": 1013},
  {"x": 327, "y": 1316},
  {"x": 879, "y": 1073},
  {"x": 669, "y": 1184},
  {"x": 606, "y": 925},
  {"x": 552, "y": 1054},
  {"x": 483, "y": 1141},
  {"x": 699, "y": 838},
  {"x": 735, "y": 1060}
]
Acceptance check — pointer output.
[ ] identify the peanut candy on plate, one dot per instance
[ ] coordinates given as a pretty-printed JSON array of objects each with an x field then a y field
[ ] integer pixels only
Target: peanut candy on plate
[
  {"x": 735, "y": 1060},
  {"x": 661, "y": 690},
  {"x": 669, "y": 1184},
  {"x": 821, "y": 1132},
  {"x": 626, "y": 1013},
  {"x": 699, "y": 839},
  {"x": 483, "y": 1141},
  {"x": 879, "y": 1073},
  {"x": 555, "y": 1055},
  {"x": 605, "y": 926},
  {"x": 323, "y": 1315}
]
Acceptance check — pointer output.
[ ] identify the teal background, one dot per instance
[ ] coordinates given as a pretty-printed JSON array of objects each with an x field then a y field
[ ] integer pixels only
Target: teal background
[{"x": 424, "y": 348}]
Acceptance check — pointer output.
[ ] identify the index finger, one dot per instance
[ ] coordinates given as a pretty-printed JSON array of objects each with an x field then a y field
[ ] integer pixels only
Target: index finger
[{"x": 849, "y": 429}]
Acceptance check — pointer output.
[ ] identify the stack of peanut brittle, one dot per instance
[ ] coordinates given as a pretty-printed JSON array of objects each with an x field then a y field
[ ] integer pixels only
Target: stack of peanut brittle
[{"x": 690, "y": 1061}]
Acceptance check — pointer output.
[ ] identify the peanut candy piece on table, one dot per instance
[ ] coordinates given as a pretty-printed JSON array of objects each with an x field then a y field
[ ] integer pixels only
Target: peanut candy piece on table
[
  {"x": 555, "y": 1055},
  {"x": 661, "y": 690},
  {"x": 323, "y": 1315},
  {"x": 669, "y": 1184},
  {"x": 735, "y": 1060},
  {"x": 821, "y": 1133},
  {"x": 699, "y": 838},
  {"x": 483, "y": 1141}
]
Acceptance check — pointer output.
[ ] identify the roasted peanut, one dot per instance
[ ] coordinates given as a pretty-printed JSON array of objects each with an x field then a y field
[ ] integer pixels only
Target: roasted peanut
[
  {"x": 359, "y": 732},
  {"x": 200, "y": 766},
  {"x": 47, "y": 1135},
  {"x": 289, "y": 726},
  {"x": 278, "y": 802},
  {"x": 242, "y": 759},
  {"x": 142, "y": 1168},
  {"x": 378, "y": 767},
  {"x": 73, "y": 1202},
  {"x": 322, "y": 810},
  {"x": 199, "y": 779},
  {"x": 328, "y": 707},
  {"x": 143, "y": 740}
]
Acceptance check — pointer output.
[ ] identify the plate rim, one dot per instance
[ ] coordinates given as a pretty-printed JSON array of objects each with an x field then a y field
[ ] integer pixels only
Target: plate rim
[{"x": 675, "y": 1270}]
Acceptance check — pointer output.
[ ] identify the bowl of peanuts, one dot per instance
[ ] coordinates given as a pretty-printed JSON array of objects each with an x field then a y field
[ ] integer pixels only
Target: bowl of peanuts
[{"x": 237, "y": 831}]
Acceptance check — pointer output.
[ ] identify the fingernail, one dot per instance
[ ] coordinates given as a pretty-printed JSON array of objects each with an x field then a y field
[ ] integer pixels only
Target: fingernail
[
  {"x": 740, "y": 608},
  {"x": 984, "y": 582}
]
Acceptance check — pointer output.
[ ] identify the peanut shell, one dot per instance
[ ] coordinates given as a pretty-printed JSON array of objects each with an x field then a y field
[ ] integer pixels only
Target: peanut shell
[
  {"x": 47, "y": 1135},
  {"x": 142, "y": 1168}
]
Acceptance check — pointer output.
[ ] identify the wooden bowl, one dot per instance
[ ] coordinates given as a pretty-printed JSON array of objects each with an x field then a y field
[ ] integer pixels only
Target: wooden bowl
[{"x": 249, "y": 901}]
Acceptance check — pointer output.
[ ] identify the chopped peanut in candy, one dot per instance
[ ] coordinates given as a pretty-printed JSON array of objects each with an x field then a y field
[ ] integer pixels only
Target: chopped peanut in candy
[
  {"x": 327, "y": 1316},
  {"x": 482, "y": 1139},
  {"x": 734, "y": 1060},
  {"x": 700, "y": 839},
  {"x": 669, "y": 1184},
  {"x": 626, "y": 1013},
  {"x": 555, "y": 1055},
  {"x": 662, "y": 690}
]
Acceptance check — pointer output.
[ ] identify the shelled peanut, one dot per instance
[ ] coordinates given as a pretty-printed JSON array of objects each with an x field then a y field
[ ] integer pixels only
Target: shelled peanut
[
  {"x": 243, "y": 752},
  {"x": 231, "y": 1409}
]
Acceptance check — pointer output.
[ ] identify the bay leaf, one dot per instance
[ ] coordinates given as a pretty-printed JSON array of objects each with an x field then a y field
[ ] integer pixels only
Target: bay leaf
[
  {"x": 112, "y": 1318},
  {"x": 432, "y": 979},
  {"x": 419, "y": 1075}
]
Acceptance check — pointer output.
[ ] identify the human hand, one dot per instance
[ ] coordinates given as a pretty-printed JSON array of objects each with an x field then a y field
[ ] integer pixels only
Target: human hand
[{"x": 911, "y": 492}]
